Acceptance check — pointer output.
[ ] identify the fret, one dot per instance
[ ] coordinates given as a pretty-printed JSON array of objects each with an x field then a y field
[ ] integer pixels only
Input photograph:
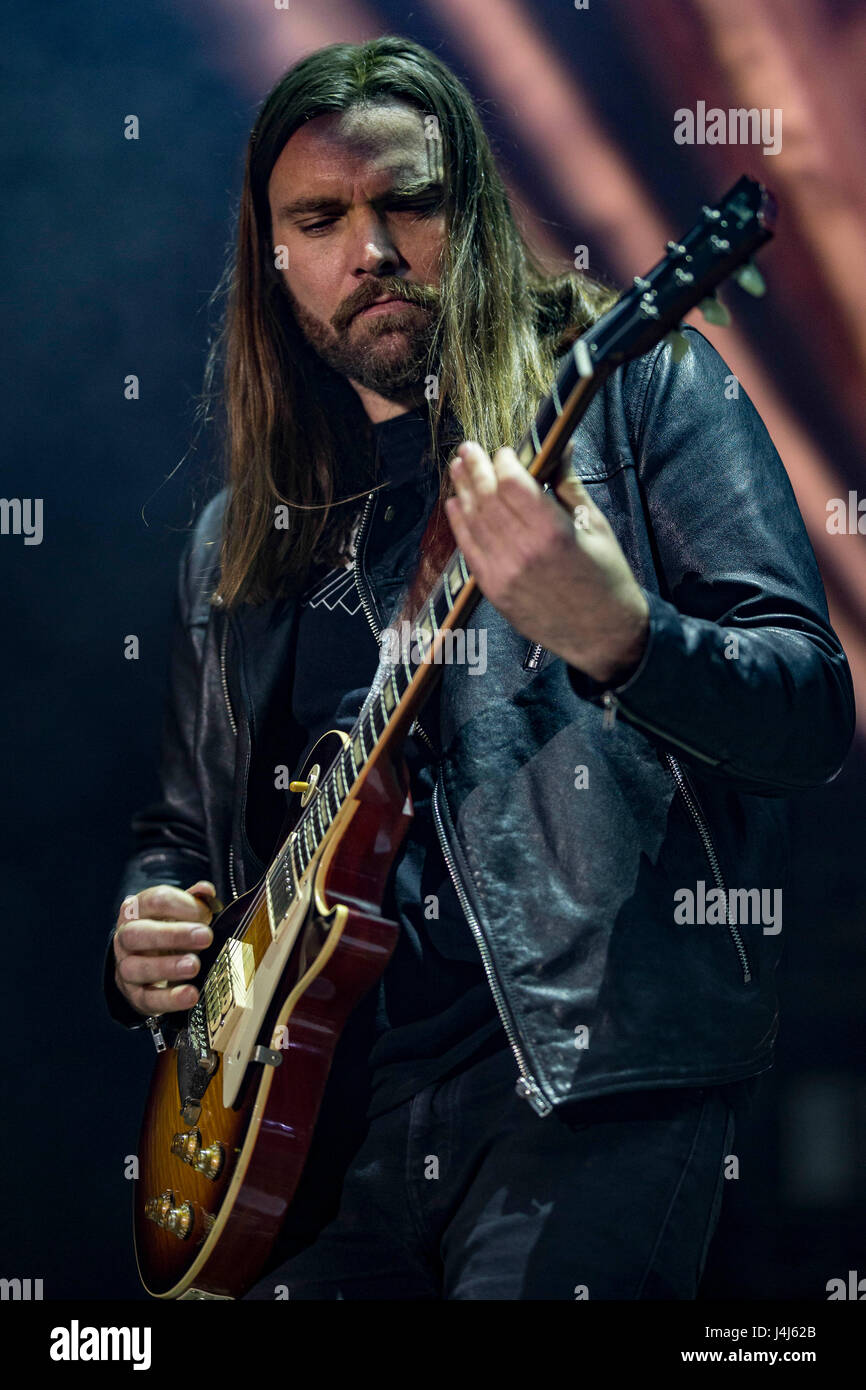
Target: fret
[
  {"x": 346, "y": 768},
  {"x": 389, "y": 695},
  {"x": 423, "y": 639},
  {"x": 446, "y": 583},
  {"x": 332, "y": 794},
  {"x": 454, "y": 579},
  {"x": 294, "y": 865},
  {"x": 381, "y": 709},
  {"x": 368, "y": 720}
]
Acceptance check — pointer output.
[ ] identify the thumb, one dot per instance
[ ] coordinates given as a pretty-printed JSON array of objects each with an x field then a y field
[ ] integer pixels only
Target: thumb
[{"x": 206, "y": 891}]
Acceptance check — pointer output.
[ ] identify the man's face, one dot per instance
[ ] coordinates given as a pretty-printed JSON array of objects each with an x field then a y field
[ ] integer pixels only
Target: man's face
[{"x": 357, "y": 199}]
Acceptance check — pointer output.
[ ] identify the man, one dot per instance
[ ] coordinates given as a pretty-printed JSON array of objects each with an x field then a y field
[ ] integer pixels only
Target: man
[{"x": 538, "y": 1100}]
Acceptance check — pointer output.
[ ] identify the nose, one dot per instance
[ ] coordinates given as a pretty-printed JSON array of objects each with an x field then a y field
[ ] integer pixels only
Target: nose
[{"x": 374, "y": 252}]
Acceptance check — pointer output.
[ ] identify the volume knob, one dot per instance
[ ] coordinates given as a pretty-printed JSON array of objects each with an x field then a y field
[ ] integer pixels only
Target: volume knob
[
  {"x": 164, "y": 1213},
  {"x": 207, "y": 1161}
]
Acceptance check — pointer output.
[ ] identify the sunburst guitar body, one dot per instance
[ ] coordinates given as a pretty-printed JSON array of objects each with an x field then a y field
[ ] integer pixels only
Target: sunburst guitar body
[{"x": 233, "y": 1104}]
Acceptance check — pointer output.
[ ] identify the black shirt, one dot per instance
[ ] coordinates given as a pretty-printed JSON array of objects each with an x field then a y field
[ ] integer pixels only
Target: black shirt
[{"x": 434, "y": 1007}]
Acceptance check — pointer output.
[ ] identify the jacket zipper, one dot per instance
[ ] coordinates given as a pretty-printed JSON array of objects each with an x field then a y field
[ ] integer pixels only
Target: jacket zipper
[
  {"x": 533, "y": 657},
  {"x": 223, "y": 645},
  {"x": 712, "y": 858},
  {"x": 611, "y": 703},
  {"x": 526, "y": 1087},
  {"x": 366, "y": 602}
]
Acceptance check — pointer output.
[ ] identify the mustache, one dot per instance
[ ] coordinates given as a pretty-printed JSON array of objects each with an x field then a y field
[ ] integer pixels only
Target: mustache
[{"x": 390, "y": 286}]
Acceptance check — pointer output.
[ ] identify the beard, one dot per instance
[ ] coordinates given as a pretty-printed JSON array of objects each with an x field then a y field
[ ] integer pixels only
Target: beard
[{"x": 386, "y": 353}]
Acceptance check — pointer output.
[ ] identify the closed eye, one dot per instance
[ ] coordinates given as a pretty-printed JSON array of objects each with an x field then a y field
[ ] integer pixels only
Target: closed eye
[{"x": 423, "y": 206}]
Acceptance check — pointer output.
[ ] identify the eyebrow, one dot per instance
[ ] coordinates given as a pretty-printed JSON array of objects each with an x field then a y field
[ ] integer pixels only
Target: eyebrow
[{"x": 404, "y": 188}]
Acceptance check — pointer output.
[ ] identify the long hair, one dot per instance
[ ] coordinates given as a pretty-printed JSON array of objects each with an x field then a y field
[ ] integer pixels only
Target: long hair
[{"x": 297, "y": 436}]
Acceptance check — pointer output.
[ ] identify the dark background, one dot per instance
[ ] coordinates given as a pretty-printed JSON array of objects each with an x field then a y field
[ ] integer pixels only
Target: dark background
[{"x": 112, "y": 248}]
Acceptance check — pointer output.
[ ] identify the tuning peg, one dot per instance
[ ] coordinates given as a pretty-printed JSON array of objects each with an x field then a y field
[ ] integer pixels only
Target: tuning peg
[
  {"x": 679, "y": 343},
  {"x": 715, "y": 312},
  {"x": 750, "y": 279}
]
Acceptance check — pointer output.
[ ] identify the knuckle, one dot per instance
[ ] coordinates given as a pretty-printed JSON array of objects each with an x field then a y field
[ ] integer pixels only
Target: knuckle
[
  {"x": 129, "y": 909},
  {"x": 160, "y": 899},
  {"x": 125, "y": 971}
]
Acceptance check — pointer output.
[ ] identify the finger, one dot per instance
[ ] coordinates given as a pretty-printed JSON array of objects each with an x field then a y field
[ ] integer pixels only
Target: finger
[
  {"x": 155, "y": 970},
  {"x": 165, "y": 903},
  {"x": 473, "y": 475},
  {"x": 478, "y": 495},
  {"x": 518, "y": 502},
  {"x": 151, "y": 1000},
  {"x": 516, "y": 484},
  {"x": 462, "y": 534},
  {"x": 138, "y": 937},
  {"x": 206, "y": 892}
]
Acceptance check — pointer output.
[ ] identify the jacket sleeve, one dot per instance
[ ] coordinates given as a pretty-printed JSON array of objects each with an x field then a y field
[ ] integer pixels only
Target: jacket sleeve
[
  {"x": 742, "y": 674},
  {"x": 169, "y": 835}
]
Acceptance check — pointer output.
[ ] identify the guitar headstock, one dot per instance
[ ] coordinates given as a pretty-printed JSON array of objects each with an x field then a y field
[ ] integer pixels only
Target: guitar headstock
[{"x": 720, "y": 244}]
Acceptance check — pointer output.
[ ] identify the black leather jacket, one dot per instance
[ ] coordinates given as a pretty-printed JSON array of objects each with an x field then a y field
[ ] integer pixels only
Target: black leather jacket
[{"x": 569, "y": 889}]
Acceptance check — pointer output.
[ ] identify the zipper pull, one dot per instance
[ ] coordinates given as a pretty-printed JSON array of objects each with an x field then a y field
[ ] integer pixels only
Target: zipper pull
[
  {"x": 610, "y": 703},
  {"x": 534, "y": 653},
  {"x": 156, "y": 1032},
  {"x": 528, "y": 1089}
]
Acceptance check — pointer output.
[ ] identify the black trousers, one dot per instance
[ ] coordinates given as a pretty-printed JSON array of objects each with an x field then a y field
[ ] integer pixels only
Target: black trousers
[{"x": 464, "y": 1192}]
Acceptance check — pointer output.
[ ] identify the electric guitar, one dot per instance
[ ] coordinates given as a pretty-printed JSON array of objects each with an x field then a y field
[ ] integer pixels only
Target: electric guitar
[{"x": 234, "y": 1102}]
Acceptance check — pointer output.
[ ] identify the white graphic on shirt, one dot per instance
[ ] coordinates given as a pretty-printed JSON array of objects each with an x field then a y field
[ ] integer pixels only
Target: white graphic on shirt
[{"x": 336, "y": 589}]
